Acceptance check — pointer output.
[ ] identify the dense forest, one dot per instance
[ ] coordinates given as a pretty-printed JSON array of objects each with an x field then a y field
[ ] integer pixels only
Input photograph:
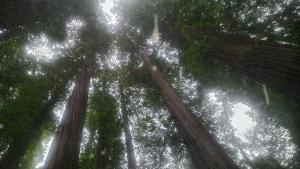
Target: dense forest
[{"x": 154, "y": 84}]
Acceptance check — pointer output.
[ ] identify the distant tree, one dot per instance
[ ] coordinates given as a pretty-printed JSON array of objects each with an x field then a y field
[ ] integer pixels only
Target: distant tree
[
  {"x": 128, "y": 138},
  {"x": 108, "y": 147},
  {"x": 104, "y": 148}
]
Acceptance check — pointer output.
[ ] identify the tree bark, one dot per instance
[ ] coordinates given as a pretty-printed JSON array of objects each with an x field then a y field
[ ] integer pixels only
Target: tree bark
[
  {"x": 205, "y": 151},
  {"x": 17, "y": 149},
  {"x": 128, "y": 138},
  {"x": 64, "y": 151},
  {"x": 100, "y": 152},
  {"x": 276, "y": 65}
]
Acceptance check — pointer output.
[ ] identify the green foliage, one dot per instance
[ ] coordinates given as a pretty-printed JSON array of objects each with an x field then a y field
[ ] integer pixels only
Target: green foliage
[
  {"x": 18, "y": 113},
  {"x": 103, "y": 118},
  {"x": 125, "y": 43},
  {"x": 12, "y": 69},
  {"x": 33, "y": 153},
  {"x": 47, "y": 16},
  {"x": 287, "y": 111},
  {"x": 94, "y": 39},
  {"x": 270, "y": 163},
  {"x": 200, "y": 60}
]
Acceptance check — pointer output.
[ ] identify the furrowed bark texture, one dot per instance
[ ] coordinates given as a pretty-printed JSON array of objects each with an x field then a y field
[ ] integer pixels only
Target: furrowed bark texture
[
  {"x": 277, "y": 66},
  {"x": 205, "y": 150},
  {"x": 128, "y": 138},
  {"x": 64, "y": 151}
]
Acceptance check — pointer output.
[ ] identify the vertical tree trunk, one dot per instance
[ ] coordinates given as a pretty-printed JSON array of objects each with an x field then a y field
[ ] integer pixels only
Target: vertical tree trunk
[
  {"x": 91, "y": 139},
  {"x": 64, "y": 151},
  {"x": 17, "y": 149},
  {"x": 277, "y": 66},
  {"x": 90, "y": 147},
  {"x": 128, "y": 139},
  {"x": 100, "y": 152},
  {"x": 205, "y": 150}
]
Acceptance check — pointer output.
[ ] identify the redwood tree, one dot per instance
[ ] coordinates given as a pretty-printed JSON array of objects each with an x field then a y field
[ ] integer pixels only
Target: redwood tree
[
  {"x": 276, "y": 65},
  {"x": 128, "y": 138},
  {"x": 205, "y": 151},
  {"x": 64, "y": 151}
]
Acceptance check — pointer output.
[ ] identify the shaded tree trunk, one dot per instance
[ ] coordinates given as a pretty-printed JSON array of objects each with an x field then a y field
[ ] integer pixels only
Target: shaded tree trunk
[
  {"x": 277, "y": 66},
  {"x": 204, "y": 149},
  {"x": 100, "y": 152},
  {"x": 17, "y": 149},
  {"x": 64, "y": 151},
  {"x": 128, "y": 138}
]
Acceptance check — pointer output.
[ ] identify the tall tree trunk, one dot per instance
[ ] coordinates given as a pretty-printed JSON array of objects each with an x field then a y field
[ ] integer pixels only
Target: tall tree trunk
[
  {"x": 205, "y": 150},
  {"x": 100, "y": 152},
  {"x": 128, "y": 138},
  {"x": 17, "y": 149},
  {"x": 276, "y": 65},
  {"x": 64, "y": 151}
]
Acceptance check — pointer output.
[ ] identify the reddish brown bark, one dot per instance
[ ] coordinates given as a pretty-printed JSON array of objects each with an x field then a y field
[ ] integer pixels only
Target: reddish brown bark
[
  {"x": 205, "y": 150},
  {"x": 64, "y": 151},
  {"x": 128, "y": 138},
  {"x": 277, "y": 66}
]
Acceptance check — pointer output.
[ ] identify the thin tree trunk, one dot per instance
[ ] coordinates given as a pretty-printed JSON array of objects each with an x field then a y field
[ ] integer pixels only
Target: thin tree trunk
[
  {"x": 128, "y": 138},
  {"x": 246, "y": 159},
  {"x": 91, "y": 139},
  {"x": 100, "y": 152},
  {"x": 277, "y": 66},
  {"x": 17, "y": 149},
  {"x": 90, "y": 148},
  {"x": 64, "y": 151},
  {"x": 205, "y": 150}
]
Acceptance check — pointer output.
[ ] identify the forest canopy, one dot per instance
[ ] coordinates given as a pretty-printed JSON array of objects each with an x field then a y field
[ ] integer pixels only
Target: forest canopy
[{"x": 162, "y": 84}]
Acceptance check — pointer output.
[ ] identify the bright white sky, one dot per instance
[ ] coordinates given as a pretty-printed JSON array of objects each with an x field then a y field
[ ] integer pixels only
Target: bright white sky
[
  {"x": 240, "y": 120},
  {"x": 107, "y": 7},
  {"x": 43, "y": 49}
]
